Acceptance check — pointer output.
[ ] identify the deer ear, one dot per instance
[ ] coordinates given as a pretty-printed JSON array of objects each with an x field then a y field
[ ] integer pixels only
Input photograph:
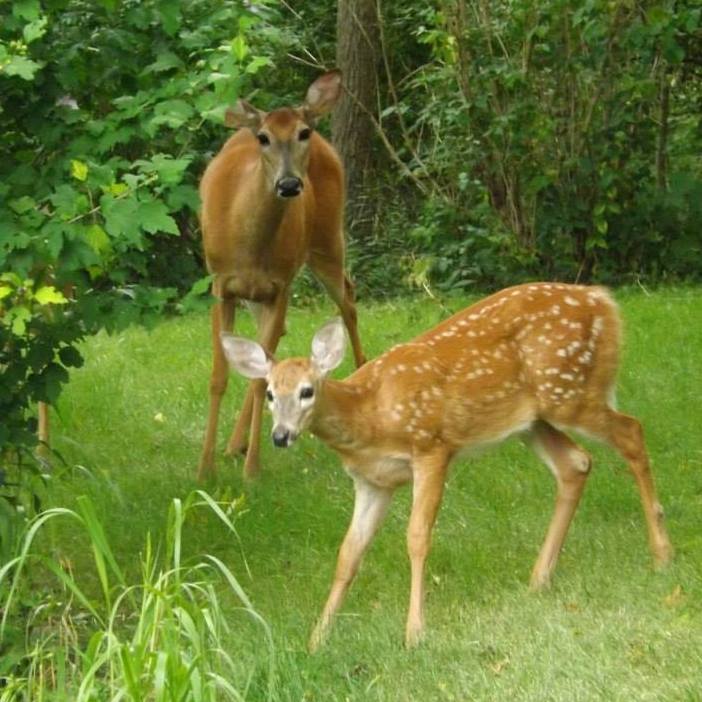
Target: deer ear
[
  {"x": 328, "y": 346},
  {"x": 244, "y": 114},
  {"x": 246, "y": 357},
  {"x": 322, "y": 95}
]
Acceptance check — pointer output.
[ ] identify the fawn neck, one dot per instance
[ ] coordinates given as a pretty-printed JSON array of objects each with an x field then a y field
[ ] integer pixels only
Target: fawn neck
[{"x": 338, "y": 405}]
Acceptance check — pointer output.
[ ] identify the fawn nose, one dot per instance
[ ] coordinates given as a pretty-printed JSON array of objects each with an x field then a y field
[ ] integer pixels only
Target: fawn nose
[
  {"x": 281, "y": 437},
  {"x": 289, "y": 186}
]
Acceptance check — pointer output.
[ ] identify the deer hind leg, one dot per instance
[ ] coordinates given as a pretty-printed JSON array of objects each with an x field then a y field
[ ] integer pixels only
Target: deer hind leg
[
  {"x": 371, "y": 505},
  {"x": 222, "y": 316},
  {"x": 625, "y": 434},
  {"x": 330, "y": 273},
  {"x": 570, "y": 465}
]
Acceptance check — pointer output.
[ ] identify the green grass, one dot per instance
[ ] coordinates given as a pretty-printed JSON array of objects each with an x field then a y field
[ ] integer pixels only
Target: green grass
[{"x": 609, "y": 629}]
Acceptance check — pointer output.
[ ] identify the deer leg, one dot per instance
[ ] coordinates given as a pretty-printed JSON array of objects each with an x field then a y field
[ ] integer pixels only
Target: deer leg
[
  {"x": 330, "y": 273},
  {"x": 272, "y": 325},
  {"x": 626, "y": 435},
  {"x": 370, "y": 507},
  {"x": 222, "y": 320},
  {"x": 427, "y": 490},
  {"x": 570, "y": 465},
  {"x": 238, "y": 442}
]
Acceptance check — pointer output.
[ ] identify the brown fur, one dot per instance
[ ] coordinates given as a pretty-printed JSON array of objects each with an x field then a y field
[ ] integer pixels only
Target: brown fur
[
  {"x": 255, "y": 241},
  {"x": 533, "y": 359}
]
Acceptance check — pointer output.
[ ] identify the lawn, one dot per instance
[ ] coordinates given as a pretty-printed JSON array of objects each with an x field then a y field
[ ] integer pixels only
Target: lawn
[{"x": 609, "y": 629}]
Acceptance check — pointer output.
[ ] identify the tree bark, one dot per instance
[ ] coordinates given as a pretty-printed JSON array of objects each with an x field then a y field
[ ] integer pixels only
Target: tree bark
[
  {"x": 662, "y": 147},
  {"x": 357, "y": 56}
]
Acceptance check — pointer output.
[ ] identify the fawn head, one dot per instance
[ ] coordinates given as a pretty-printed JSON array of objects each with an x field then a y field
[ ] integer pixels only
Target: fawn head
[
  {"x": 284, "y": 134},
  {"x": 293, "y": 384}
]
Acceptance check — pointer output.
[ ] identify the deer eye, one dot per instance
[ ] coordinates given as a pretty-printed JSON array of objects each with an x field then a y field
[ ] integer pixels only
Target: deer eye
[
  {"x": 263, "y": 139},
  {"x": 306, "y": 393},
  {"x": 304, "y": 134},
  {"x": 269, "y": 396}
]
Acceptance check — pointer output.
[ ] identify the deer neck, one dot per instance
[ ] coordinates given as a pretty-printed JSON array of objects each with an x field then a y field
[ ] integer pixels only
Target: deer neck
[
  {"x": 265, "y": 212},
  {"x": 336, "y": 417}
]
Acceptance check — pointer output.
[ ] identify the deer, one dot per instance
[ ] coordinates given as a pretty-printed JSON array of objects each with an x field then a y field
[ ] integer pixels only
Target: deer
[
  {"x": 535, "y": 360},
  {"x": 272, "y": 200}
]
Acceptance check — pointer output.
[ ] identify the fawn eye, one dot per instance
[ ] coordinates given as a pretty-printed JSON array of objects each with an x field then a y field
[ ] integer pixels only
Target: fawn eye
[
  {"x": 269, "y": 396},
  {"x": 306, "y": 393},
  {"x": 304, "y": 134},
  {"x": 263, "y": 139}
]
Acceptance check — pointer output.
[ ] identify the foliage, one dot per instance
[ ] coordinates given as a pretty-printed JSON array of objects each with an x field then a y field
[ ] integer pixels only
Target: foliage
[
  {"x": 108, "y": 111},
  {"x": 558, "y": 140},
  {"x": 161, "y": 638}
]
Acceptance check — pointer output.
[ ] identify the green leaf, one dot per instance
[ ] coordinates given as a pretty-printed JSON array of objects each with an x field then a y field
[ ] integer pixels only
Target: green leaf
[
  {"x": 68, "y": 202},
  {"x": 97, "y": 238},
  {"x": 79, "y": 170},
  {"x": 34, "y": 30},
  {"x": 26, "y": 9},
  {"x": 169, "y": 12},
  {"x": 239, "y": 47},
  {"x": 153, "y": 217},
  {"x": 49, "y": 295},
  {"x": 166, "y": 61},
  {"x": 21, "y": 66},
  {"x": 170, "y": 170},
  {"x": 70, "y": 357},
  {"x": 20, "y": 316},
  {"x": 121, "y": 219},
  {"x": 23, "y": 204},
  {"x": 173, "y": 113},
  {"x": 257, "y": 63}
]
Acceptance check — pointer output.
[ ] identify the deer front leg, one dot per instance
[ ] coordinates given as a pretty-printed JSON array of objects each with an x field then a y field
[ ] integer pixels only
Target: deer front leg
[
  {"x": 222, "y": 320},
  {"x": 427, "y": 491},
  {"x": 370, "y": 507},
  {"x": 271, "y": 327}
]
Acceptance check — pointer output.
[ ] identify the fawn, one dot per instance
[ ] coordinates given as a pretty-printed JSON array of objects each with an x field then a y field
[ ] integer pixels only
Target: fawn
[{"x": 534, "y": 359}]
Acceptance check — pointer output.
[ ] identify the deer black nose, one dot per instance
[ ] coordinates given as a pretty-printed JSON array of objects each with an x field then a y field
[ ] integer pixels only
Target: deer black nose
[
  {"x": 289, "y": 186},
  {"x": 281, "y": 437}
]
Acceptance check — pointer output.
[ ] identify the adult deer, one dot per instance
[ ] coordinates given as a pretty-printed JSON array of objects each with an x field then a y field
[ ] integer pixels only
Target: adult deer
[
  {"x": 536, "y": 359},
  {"x": 272, "y": 200}
]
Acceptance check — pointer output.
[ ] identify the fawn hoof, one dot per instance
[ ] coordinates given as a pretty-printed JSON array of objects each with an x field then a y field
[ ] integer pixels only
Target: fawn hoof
[
  {"x": 539, "y": 581},
  {"x": 317, "y": 638},
  {"x": 663, "y": 555},
  {"x": 413, "y": 639}
]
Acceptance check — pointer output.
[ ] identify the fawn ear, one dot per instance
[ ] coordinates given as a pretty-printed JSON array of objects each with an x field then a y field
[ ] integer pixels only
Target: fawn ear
[
  {"x": 246, "y": 356},
  {"x": 328, "y": 346},
  {"x": 321, "y": 96},
  {"x": 244, "y": 114}
]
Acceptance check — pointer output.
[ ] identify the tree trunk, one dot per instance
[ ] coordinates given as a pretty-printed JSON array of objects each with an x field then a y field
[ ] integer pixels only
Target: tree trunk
[
  {"x": 357, "y": 51},
  {"x": 662, "y": 147}
]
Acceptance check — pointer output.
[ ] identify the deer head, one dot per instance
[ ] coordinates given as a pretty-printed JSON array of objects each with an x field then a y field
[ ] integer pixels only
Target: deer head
[
  {"x": 283, "y": 135},
  {"x": 293, "y": 384}
]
